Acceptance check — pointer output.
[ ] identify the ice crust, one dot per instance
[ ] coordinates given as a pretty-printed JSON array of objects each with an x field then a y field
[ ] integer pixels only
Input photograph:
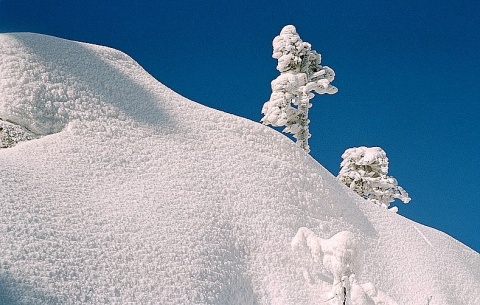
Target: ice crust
[{"x": 132, "y": 194}]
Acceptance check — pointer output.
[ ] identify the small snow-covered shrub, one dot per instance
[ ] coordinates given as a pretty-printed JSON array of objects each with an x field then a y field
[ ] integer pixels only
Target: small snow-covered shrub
[
  {"x": 339, "y": 254},
  {"x": 342, "y": 256},
  {"x": 11, "y": 134},
  {"x": 364, "y": 170},
  {"x": 300, "y": 75}
]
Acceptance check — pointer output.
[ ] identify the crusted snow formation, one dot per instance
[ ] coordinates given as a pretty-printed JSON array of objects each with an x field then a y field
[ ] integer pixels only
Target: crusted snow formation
[{"x": 136, "y": 195}]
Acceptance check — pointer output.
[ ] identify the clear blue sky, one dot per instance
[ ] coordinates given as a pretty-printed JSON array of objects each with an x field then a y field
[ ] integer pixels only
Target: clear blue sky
[{"x": 407, "y": 72}]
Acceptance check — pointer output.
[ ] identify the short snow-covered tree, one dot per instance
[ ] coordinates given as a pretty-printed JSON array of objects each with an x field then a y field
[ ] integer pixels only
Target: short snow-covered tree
[
  {"x": 364, "y": 170},
  {"x": 300, "y": 75}
]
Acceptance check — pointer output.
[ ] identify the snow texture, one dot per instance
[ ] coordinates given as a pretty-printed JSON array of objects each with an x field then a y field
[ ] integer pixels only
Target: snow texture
[{"x": 132, "y": 194}]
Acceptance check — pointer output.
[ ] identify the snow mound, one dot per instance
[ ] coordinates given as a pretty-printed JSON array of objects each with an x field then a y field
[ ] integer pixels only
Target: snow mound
[
  {"x": 46, "y": 88},
  {"x": 132, "y": 194}
]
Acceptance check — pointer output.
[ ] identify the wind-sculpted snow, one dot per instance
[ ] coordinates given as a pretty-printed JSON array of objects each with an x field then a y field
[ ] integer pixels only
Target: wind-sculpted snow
[{"x": 132, "y": 194}]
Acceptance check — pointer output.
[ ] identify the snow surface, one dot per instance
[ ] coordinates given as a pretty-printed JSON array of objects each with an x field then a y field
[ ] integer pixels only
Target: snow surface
[{"x": 132, "y": 194}]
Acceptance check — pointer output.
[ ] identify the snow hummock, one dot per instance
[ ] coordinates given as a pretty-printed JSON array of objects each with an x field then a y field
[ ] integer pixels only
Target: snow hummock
[{"x": 128, "y": 193}]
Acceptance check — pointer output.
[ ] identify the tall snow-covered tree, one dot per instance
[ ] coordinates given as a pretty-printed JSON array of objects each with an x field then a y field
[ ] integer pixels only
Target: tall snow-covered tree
[
  {"x": 364, "y": 170},
  {"x": 300, "y": 75}
]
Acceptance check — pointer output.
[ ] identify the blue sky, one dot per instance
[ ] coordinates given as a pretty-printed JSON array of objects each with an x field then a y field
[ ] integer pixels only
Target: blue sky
[{"x": 407, "y": 72}]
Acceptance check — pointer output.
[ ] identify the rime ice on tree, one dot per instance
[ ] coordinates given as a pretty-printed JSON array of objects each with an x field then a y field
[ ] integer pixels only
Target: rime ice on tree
[
  {"x": 364, "y": 170},
  {"x": 300, "y": 75}
]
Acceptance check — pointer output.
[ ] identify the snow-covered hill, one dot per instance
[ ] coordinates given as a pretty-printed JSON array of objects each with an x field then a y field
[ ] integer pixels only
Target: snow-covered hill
[{"x": 124, "y": 192}]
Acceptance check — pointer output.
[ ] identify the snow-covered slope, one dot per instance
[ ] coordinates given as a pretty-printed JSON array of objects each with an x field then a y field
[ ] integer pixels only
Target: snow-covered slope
[{"x": 129, "y": 193}]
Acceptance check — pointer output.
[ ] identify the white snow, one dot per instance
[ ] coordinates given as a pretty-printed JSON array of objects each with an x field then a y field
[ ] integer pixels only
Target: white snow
[{"x": 132, "y": 194}]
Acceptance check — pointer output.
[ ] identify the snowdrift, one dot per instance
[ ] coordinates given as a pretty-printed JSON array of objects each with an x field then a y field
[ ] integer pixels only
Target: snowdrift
[{"x": 127, "y": 193}]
